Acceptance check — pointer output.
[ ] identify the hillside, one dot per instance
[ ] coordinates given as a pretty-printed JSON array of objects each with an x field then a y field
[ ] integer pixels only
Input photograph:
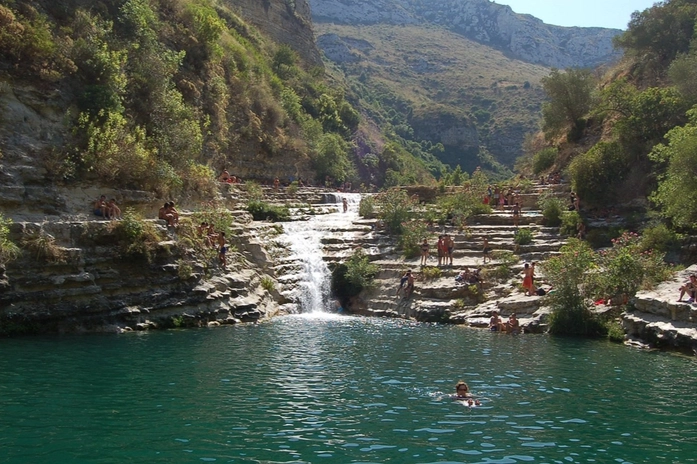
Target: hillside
[
  {"x": 453, "y": 91},
  {"x": 521, "y": 36},
  {"x": 465, "y": 74}
]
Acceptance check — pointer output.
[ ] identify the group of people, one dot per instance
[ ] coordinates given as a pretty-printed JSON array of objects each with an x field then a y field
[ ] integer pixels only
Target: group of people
[
  {"x": 500, "y": 197},
  {"x": 511, "y": 326},
  {"x": 467, "y": 277},
  {"x": 106, "y": 209},
  {"x": 406, "y": 283},
  {"x": 444, "y": 247},
  {"x": 229, "y": 179},
  {"x": 169, "y": 214}
]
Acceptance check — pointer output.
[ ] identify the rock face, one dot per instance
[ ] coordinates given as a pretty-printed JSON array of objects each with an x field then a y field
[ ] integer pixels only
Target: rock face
[
  {"x": 523, "y": 36},
  {"x": 659, "y": 319},
  {"x": 285, "y": 21}
]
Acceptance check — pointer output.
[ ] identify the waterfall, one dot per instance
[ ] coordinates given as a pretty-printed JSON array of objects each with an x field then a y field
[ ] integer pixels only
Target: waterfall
[{"x": 304, "y": 238}]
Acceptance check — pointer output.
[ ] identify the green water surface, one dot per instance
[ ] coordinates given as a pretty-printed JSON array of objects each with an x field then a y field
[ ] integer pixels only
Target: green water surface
[{"x": 317, "y": 389}]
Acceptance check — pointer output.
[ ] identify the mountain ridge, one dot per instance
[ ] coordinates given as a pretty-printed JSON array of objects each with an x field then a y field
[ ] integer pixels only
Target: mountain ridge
[{"x": 521, "y": 35}]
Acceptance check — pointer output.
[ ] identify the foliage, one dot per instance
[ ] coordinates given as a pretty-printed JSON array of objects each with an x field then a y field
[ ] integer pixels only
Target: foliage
[
  {"x": 570, "y": 95},
  {"x": 658, "y": 34},
  {"x": 596, "y": 174},
  {"x": 293, "y": 188},
  {"x": 366, "y": 208},
  {"x": 566, "y": 273},
  {"x": 676, "y": 194},
  {"x": 262, "y": 211},
  {"x": 626, "y": 269},
  {"x": 431, "y": 272},
  {"x": 395, "y": 209},
  {"x": 659, "y": 238},
  {"x": 543, "y": 160},
  {"x": 136, "y": 236},
  {"x": 523, "y": 237},
  {"x": 569, "y": 223},
  {"x": 43, "y": 246},
  {"x": 184, "y": 269},
  {"x": 552, "y": 209},
  {"x": 9, "y": 251},
  {"x": 267, "y": 283},
  {"x": 254, "y": 191},
  {"x": 503, "y": 270},
  {"x": 615, "y": 332},
  {"x": 411, "y": 237},
  {"x": 352, "y": 277}
]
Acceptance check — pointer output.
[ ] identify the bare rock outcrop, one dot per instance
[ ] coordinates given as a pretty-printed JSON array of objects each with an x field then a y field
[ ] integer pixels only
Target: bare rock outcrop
[{"x": 523, "y": 36}]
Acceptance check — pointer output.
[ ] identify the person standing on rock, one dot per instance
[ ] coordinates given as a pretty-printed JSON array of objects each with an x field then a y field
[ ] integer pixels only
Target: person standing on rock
[
  {"x": 486, "y": 249},
  {"x": 528, "y": 275},
  {"x": 442, "y": 250},
  {"x": 222, "y": 249},
  {"x": 344, "y": 201},
  {"x": 424, "y": 252},
  {"x": 516, "y": 214},
  {"x": 450, "y": 246},
  {"x": 403, "y": 281},
  {"x": 410, "y": 285}
]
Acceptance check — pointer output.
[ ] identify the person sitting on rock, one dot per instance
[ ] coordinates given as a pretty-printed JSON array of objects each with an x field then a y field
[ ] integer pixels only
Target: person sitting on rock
[
  {"x": 513, "y": 325},
  {"x": 225, "y": 177},
  {"x": 495, "y": 323},
  {"x": 689, "y": 287},
  {"x": 100, "y": 207},
  {"x": 112, "y": 210},
  {"x": 169, "y": 214}
]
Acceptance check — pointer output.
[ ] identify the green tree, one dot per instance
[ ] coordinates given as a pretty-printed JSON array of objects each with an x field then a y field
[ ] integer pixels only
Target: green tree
[
  {"x": 655, "y": 36},
  {"x": 596, "y": 174},
  {"x": 676, "y": 195},
  {"x": 570, "y": 95}
]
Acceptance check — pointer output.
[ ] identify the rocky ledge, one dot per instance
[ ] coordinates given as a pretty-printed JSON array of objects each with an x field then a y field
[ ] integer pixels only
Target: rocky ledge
[{"x": 659, "y": 319}]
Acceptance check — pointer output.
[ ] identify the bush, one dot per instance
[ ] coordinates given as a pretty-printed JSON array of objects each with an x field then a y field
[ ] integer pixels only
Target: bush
[
  {"x": 293, "y": 188},
  {"x": 413, "y": 233},
  {"x": 394, "y": 208},
  {"x": 615, "y": 332},
  {"x": 262, "y": 211},
  {"x": 136, "y": 236},
  {"x": 569, "y": 223},
  {"x": 431, "y": 272},
  {"x": 43, "y": 246},
  {"x": 597, "y": 173},
  {"x": 552, "y": 209},
  {"x": 544, "y": 160},
  {"x": 659, "y": 238},
  {"x": 8, "y": 250},
  {"x": 352, "y": 277},
  {"x": 366, "y": 207},
  {"x": 523, "y": 237}
]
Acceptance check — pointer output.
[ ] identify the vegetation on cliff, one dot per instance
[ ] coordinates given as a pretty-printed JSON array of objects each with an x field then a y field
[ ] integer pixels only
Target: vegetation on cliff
[
  {"x": 163, "y": 94},
  {"x": 631, "y": 133}
]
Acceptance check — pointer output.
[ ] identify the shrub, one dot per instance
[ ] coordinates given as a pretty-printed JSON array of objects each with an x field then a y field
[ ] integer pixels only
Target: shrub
[
  {"x": 136, "y": 236},
  {"x": 552, "y": 209},
  {"x": 254, "y": 191},
  {"x": 413, "y": 233},
  {"x": 352, "y": 277},
  {"x": 431, "y": 272},
  {"x": 8, "y": 250},
  {"x": 544, "y": 160},
  {"x": 293, "y": 188},
  {"x": 366, "y": 207},
  {"x": 43, "y": 246},
  {"x": 267, "y": 283},
  {"x": 597, "y": 173},
  {"x": 523, "y": 237},
  {"x": 395, "y": 208},
  {"x": 615, "y": 332},
  {"x": 659, "y": 238},
  {"x": 262, "y": 211},
  {"x": 569, "y": 223},
  {"x": 184, "y": 269}
]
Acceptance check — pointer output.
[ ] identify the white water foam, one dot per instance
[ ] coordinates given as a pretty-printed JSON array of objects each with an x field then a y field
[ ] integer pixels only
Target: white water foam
[{"x": 305, "y": 239}]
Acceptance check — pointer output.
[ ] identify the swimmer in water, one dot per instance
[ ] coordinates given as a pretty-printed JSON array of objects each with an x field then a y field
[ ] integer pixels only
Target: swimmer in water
[{"x": 463, "y": 393}]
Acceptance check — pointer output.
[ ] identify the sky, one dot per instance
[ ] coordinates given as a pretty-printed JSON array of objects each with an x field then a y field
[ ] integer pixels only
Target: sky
[{"x": 587, "y": 13}]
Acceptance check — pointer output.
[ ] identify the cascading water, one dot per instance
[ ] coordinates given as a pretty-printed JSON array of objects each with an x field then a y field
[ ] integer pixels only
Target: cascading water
[{"x": 305, "y": 240}]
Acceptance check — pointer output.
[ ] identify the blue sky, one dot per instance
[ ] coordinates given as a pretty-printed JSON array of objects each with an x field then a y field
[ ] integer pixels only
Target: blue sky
[{"x": 586, "y": 13}]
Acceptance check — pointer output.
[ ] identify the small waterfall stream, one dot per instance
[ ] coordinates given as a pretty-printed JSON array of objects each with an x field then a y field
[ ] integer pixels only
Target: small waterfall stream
[{"x": 304, "y": 238}]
